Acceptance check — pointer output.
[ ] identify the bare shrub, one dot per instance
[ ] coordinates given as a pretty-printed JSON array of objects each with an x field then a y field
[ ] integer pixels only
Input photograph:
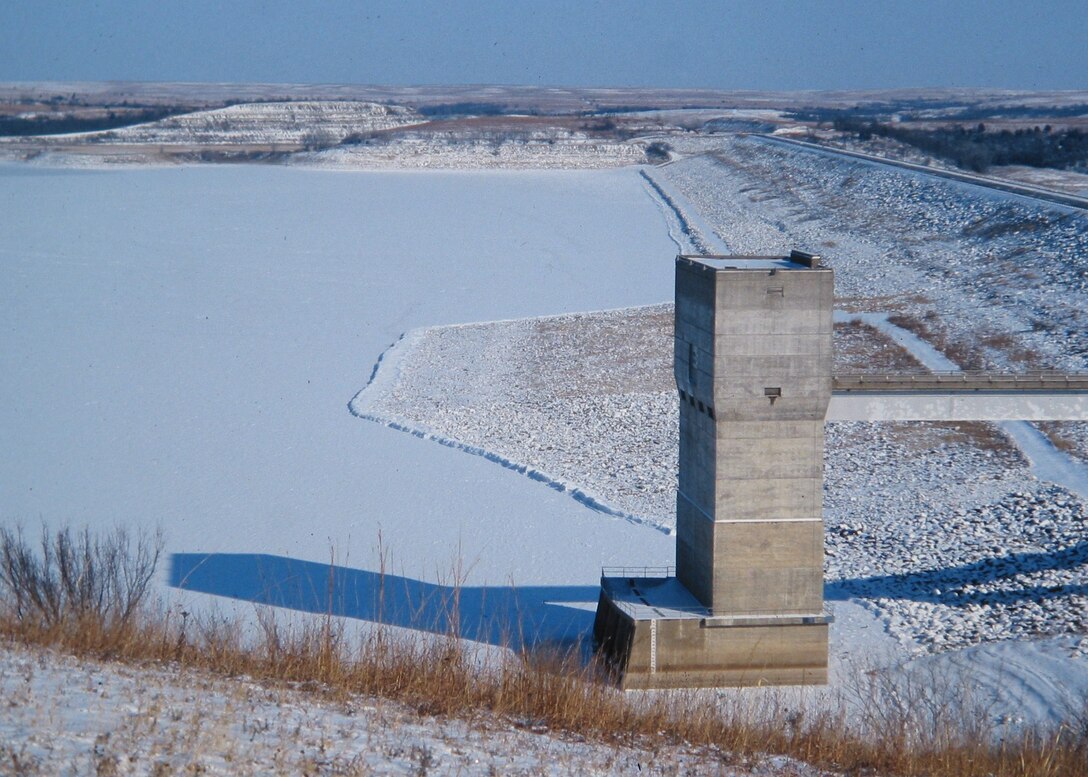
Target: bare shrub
[
  {"x": 71, "y": 578},
  {"x": 658, "y": 152}
]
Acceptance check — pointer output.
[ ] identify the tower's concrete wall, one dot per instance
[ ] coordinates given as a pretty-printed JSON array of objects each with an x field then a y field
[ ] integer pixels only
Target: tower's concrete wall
[
  {"x": 753, "y": 366},
  {"x": 753, "y": 356},
  {"x": 692, "y": 655}
]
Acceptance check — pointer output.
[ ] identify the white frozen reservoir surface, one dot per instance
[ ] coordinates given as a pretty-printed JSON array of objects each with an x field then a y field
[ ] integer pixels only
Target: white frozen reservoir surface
[{"x": 180, "y": 345}]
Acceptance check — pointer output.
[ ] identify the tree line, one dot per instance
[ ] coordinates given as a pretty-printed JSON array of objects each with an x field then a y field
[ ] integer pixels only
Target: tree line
[
  {"x": 976, "y": 149},
  {"x": 58, "y": 124}
]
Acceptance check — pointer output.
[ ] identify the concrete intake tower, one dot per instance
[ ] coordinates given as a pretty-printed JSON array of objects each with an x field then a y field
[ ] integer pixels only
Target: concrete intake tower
[
  {"x": 753, "y": 357},
  {"x": 753, "y": 364}
]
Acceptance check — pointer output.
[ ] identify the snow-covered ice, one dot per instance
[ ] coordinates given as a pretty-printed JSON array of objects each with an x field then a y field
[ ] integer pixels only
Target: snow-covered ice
[{"x": 180, "y": 347}]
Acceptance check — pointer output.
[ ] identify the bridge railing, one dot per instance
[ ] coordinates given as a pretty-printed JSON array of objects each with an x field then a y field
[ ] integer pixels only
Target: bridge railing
[
  {"x": 662, "y": 571},
  {"x": 966, "y": 380}
]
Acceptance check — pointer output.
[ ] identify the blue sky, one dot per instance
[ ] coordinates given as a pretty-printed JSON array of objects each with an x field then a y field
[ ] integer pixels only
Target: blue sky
[{"x": 745, "y": 44}]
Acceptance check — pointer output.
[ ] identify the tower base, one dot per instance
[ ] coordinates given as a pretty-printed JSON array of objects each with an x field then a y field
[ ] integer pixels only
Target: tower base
[{"x": 656, "y": 634}]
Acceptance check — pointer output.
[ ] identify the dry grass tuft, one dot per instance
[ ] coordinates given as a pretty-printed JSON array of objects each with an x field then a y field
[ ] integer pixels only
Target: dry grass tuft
[
  {"x": 969, "y": 353},
  {"x": 930, "y": 329},
  {"x": 980, "y": 434},
  {"x": 88, "y": 595},
  {"x": 861, "y": 347},
  {"x": 78, "y": 588},
  {"x": 1062, "y": 436}
]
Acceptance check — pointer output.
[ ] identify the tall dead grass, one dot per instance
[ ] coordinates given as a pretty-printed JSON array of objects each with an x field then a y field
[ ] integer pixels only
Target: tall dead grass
[{"x": 89, "y": 595}]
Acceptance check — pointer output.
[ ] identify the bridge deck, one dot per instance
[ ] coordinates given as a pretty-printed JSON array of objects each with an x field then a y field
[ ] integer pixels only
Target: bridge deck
[
  {"x": 959, "y": 396},
  {"x": 942, "y": 382}
]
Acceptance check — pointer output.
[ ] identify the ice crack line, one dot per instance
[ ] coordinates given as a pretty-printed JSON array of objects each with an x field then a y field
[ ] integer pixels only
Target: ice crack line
[
  {"x": 691, "y": 241},
  {"x": 384, "y": 374}
]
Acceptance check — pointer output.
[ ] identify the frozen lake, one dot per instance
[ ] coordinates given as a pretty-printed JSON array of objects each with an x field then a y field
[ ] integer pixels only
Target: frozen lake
[{"x": 180, "y": 347}]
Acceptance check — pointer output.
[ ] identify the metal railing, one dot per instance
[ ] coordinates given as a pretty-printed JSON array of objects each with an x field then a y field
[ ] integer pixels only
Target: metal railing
[
  {"x": 967, "y": 380},
  {"x": 662, "y": 571}
]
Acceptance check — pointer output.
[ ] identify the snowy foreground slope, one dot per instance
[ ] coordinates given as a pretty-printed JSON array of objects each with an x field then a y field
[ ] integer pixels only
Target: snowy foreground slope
[{"x": 69, "y": 717}]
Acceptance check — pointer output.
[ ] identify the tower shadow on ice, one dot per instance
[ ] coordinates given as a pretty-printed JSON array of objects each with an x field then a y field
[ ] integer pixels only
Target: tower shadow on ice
[{"x": 517, "y": 617}]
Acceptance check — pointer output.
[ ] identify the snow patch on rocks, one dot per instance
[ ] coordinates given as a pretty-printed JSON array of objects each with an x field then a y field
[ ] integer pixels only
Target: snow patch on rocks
[
  {"x": 579, "y": 402},
  {"x": 272, "y": 122}
]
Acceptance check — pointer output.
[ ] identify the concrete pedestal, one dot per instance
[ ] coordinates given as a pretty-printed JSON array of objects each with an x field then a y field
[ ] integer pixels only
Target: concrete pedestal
[{"x": 656, "y": 635}]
